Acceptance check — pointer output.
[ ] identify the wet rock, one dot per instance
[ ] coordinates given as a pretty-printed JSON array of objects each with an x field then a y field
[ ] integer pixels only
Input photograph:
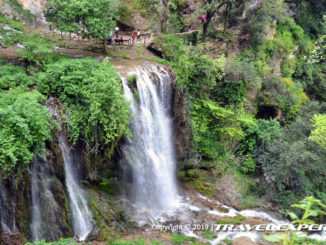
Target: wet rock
[
  {"x": 155, "y": 49},
  {"x": 12, "y": 239}
]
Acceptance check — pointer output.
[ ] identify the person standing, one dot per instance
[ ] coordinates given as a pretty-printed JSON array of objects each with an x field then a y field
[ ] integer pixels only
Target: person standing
[
  {"x": 110, "y": 37},
  {"x": 133, "y": 35},
  {"x": 117, "y": 31},
  {"x": 203, "y": 17},
  {"x": 138, "y": 35}
]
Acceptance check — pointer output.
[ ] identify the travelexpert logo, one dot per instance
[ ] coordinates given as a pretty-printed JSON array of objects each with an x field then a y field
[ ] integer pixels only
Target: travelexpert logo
[{"x": 241, "y": 227}]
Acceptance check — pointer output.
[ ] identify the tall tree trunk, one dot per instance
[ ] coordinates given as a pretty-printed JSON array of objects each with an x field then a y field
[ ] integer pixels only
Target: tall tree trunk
[
  {"x": 162, "y": 15},
  {"x": 105, "y": 48},
  {"x": 226, "y": 17},
  {"x": 205, "y": 25}
]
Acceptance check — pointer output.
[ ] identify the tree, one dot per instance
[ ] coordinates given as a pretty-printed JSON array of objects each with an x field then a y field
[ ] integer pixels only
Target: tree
[
  {"x": 92, "y": 95},
  {"x": 259, "y": 24},
  {"x": 211, "y": 7},
  {"x": 26, "y": 125},
  {"x": 318, "y": 135},
  {"x": 292, "y": 164},
  {"x": 319, "y": 53},
  {"x": 91, "y": 19}
]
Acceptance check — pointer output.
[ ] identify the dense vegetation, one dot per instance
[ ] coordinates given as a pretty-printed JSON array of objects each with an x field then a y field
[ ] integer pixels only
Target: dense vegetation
[
  {"x": 282, "y": 154},
  {"x": 95, "y": 110},
  {"x": 92, "y": 95}
]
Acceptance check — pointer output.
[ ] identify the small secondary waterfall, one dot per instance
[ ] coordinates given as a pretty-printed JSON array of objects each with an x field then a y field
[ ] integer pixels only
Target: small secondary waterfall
[
  {"x": 81, "y": 215},
  {"x": 7, "y": 219},
  {"x": 150, "y": 151},
  {"x": 45, "y": 210}
]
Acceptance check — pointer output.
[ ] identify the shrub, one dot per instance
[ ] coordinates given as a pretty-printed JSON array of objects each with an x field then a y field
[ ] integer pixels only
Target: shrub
[
  {"x": 12, "y": 76},
  {"x": 35, "y": 49},
  {"x": 292, "y": 164},
  {"x": 285, "y": 94},
  {"x": 25, "y": 126},
  {"x": 93, "y": 98},
  {"x": 172, "y": 46}
]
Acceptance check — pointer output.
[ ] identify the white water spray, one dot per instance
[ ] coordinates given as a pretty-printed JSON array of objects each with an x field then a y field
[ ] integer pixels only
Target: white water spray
[
  {"x": 150, "y": 151},
  {"x": 81, "y": 215}
]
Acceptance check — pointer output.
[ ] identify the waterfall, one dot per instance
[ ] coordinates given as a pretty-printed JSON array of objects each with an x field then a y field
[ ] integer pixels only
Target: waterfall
[
  {"x": 7, "y": 210},
  {"x": 4, "y": 216},
  {"x": 46, "y": 212},
  {"x": 150, "y": 151},
  {"x": 81, "y": 215}
]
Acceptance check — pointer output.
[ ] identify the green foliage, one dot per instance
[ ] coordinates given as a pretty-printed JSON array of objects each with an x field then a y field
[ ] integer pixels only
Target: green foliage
[
  {"x": 208, "y": 234},
  {"x": 259, "y": 134},
  {"x": 174, "y": 23},
  {"x": 13, "y": 76},
  {"x": 89, "y": 18},
  {"x": 312, "y": 207},
  {"x": 132, "y": 80},
  {"x": 25, "y": 126},
  {"x": 35, "y": 50},
  {"x": 198, "y": 74},
  {"x": 288, "y": 67},
  {"x": 62, "y": 241},
  {"x": 230, "y": 93},
  {"x": 172, "y": 46},
  {"x": 248, "y": 165},
  {"x": 292, "y": 164},
  {"x": 141, "y": 241},
  {"x": 179, "y": 239},
  {"x": 242, "y": 72},
  {"x": 239, "y": 76},
  {"x": 318, "y": 54},
  {"x": 212, "y": 124},
  {"x": 309, "y": 16},
  {"x": 313, "y": 77},
  {"x": 283, "y": 93},
  {"x": 24, "y": 13},
  {"x": 92, "y": 95},
  {"x": 236, "y": 220},
  {"x": 318, "y": 134},
  {"x": 259, "y": 24},
  {"x": 147, "y": 7}
]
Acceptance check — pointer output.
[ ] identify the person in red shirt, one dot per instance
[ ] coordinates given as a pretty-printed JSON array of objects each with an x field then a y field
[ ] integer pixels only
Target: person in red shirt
[
  {"x": 203, "y": 17},
  {"x": 134, "y": 35}
]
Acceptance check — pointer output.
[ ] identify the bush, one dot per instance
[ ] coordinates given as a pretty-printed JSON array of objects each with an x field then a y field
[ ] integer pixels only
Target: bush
[
  {"x": 35, "y": 50},
  {"x": 283, "y": 93},
  {"x": 25, "y": 126},
  {"x": 93, "y": 98},
  {"x": 294, "y": 164},
  {"x": 259, "y": 24},
  {"x": 13, "y": 76},
  {"x": 171, "y": 46},
  {"x": 212, "y": 124}
]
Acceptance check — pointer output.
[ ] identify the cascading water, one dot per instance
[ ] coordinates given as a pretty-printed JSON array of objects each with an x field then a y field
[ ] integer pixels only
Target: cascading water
[
  {"x": 4, "y": 215},
  {"x": 46, "y": 213},
  {"x": 81, "y": 215},
  {"x": 150, "y": 151},
  {"x": 8, "y": 209}
]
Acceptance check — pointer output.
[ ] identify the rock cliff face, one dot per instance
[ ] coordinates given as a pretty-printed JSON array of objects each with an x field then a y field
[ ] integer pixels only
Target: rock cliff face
[
  {"x": 35, "y": 6},
  {"x": 28, "y": 11}
]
